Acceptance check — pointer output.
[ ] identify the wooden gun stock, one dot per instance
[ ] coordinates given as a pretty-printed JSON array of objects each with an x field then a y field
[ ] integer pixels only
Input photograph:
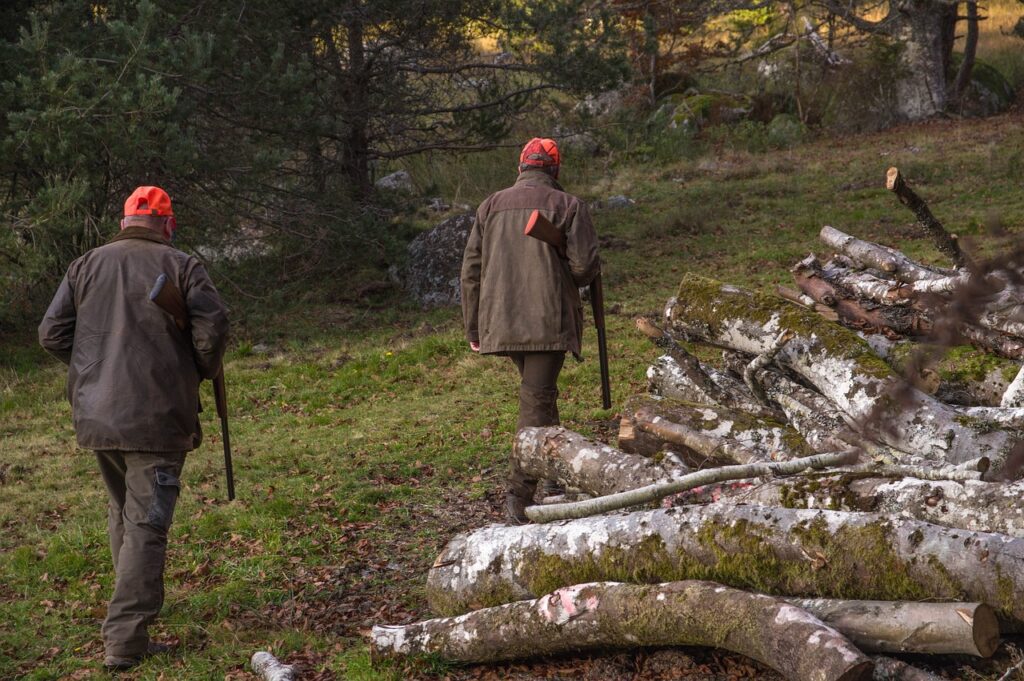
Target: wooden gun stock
[
  {"x": 539, "y": 227},
  {"x": 168, "y": 298}
]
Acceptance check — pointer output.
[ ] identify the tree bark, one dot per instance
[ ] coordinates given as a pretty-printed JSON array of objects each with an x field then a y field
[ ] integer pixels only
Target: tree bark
[
  {"x": 554, "y": 453},
  {"x": 962, "y": 375},
  {"x": 963, "y": 74},
  {"x": 908, "y": 627},
  {"x": 921, "y": 81},
  {"x": 843, "y": 368},
  {"x": 874, "y": 256},
  {"x": 782, "y": 551},
  {"x": 970, "y": 505},
  {"x": 600, "y": 615}
]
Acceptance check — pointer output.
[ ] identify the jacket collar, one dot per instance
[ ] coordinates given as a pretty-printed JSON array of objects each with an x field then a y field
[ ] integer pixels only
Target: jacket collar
[
  {"x": 538, "y": 177},
  {"x": 139, "y": 233}
]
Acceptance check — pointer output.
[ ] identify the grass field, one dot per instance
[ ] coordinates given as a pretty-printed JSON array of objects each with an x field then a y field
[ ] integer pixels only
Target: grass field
[{"x": 365, "y": 436}]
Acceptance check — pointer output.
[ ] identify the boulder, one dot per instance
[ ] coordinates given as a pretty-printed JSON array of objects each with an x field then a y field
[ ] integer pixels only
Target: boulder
[
  {"x": 399, "y": 181},
  {"x": 435, "y": 262}
]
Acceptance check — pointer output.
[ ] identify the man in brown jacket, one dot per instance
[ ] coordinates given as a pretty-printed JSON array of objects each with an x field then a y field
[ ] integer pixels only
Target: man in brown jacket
[
  {"x": 133, "y": 384},
  {"x": 520, "y": 298}
]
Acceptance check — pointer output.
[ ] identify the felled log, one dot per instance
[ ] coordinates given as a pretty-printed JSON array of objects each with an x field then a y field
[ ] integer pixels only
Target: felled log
[
  {"x": 704, "y": 435},
  {"x": 944, "y": 241},
  {"x": 787, "y": 552},
  {"x": 813, "y": 416},
  {"x": 601, "y": 615},
  {"x": 682, "y": 377},
  {"x": 554, "y": 453},
  {"x": 961, "y": 375},
  {"x": 909, "y": 627},
  {"x": 871, "y": 316},
  {"x": 968, "y": 504},
  {"x": 875, "y": 256},
  {"x": 550, "y": 512},
  {"x": 842, "y": 367}
]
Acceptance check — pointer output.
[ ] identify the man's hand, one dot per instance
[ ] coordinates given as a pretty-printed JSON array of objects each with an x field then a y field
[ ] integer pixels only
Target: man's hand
[{"x": 474, "y": 346}]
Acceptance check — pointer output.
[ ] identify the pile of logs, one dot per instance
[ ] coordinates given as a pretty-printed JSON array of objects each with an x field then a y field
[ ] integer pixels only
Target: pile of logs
[{"x": 823, "y": 495}]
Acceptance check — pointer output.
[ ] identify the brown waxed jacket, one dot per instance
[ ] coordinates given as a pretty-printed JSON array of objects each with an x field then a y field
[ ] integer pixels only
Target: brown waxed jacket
[
  {"x": 517, "y": 293},
  {"x": 133, "y": 377}
]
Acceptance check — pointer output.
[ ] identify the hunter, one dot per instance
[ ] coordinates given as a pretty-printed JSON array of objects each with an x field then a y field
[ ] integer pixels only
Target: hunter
[
  {"x": 520, "y": 297},
  {"x": 133, "y": 383}
]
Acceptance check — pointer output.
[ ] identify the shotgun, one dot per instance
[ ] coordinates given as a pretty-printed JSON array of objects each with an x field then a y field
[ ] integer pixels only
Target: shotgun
[
  {"x": 539, "y": 227},
  {"x": 168, "y": 298}
]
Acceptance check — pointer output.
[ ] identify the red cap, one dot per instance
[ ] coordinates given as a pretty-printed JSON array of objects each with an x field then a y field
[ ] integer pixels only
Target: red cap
[
  {"x": 148, "y": 201},
  {"x": 540, "y": 152}
]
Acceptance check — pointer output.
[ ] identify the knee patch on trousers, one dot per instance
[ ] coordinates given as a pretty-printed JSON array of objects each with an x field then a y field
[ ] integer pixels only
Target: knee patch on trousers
[{"x": 165, "y": 495}]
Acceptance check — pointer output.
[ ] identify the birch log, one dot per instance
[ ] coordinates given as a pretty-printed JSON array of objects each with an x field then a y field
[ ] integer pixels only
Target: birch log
[
  {"x": 704, "y": 435},
  {"x": 789, "y": 552},
  {"x": 968, "y": 505},
  {"x": 909, "y": 627},
  {"x": 842, "y": 367},
  {"x": 887, "y": 260},
  {"x": 554, "y": 453},
  {"x": 947, "y": 243},
  {"x": 601, "y": 615}
]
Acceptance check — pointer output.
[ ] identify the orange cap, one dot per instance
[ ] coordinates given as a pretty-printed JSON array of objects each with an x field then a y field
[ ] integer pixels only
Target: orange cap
[
  {"x": 148, "y": 201},
  {"x": 540, "y": 152}
]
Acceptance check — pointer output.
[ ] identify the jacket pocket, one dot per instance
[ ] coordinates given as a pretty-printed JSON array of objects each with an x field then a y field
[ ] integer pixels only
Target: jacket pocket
[{"x": 165, "y": 495}]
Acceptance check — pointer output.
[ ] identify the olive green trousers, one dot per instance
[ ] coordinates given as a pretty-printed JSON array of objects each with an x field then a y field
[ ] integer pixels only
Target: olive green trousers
[
  {"x": 538, "y": 405},
  {"x": 143, "y": 489}
]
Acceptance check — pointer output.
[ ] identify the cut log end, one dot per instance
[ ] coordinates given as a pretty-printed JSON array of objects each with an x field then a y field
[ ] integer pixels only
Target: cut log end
[
  {"x": 893, "y": 179},
  {"x": 986, "y": 630}
]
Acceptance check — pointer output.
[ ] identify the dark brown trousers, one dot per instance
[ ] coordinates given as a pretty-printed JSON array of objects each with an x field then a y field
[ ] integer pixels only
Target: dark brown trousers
[
  {"x": 143, "y": 490},
  {"x": 538, "y": 404}
]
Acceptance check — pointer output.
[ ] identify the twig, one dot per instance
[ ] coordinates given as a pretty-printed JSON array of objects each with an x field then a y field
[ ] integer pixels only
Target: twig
[{"x": 643, "y": 495}]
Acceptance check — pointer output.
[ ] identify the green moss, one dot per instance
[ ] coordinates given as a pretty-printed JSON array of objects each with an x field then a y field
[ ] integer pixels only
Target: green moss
[
  {"x": 1005, "y": 599},
  {"x": 703, "y": 303}
]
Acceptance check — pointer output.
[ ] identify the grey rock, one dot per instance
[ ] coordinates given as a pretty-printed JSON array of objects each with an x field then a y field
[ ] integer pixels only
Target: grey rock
[
  {"x": 435, "y": 262},
  {"x": 399, "y": 181},
  {"x": 603, "y": 104},
  {"x": 438, "y": 205},
  {"x": 618, "y": 201}
]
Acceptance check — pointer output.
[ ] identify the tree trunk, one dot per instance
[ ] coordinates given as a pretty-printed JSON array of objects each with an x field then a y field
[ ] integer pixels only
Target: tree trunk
[
  {"x": 843, "y": 368},
  {"x": 879, "y": 257},
  {"x": 907, "y": 627},
  {"x": 603, "y": 615},
  {"x": 555, "y": 453},
  {"x": 921, "y": 78},
  {"x": 963, "y": 75},
  {"x": 773, "y": 550}
]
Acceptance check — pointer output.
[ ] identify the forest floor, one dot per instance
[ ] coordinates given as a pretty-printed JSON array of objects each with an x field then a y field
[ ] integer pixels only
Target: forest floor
[{"x": 366, "y": 434}]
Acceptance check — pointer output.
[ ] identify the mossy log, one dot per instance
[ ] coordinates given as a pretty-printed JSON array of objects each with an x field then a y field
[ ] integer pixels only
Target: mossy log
[
  {"x": 970, "y": 505},
  {"x": 704, "y": 435},
  {"x": 961, "y": 375},
  {"x": 787, "y": 552},
  {"x": 554, "y": 453},
  {"x": 602, "y": 615},
  {"x": 909, "y": 627},
  {"x": 842, "y": 367}
]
